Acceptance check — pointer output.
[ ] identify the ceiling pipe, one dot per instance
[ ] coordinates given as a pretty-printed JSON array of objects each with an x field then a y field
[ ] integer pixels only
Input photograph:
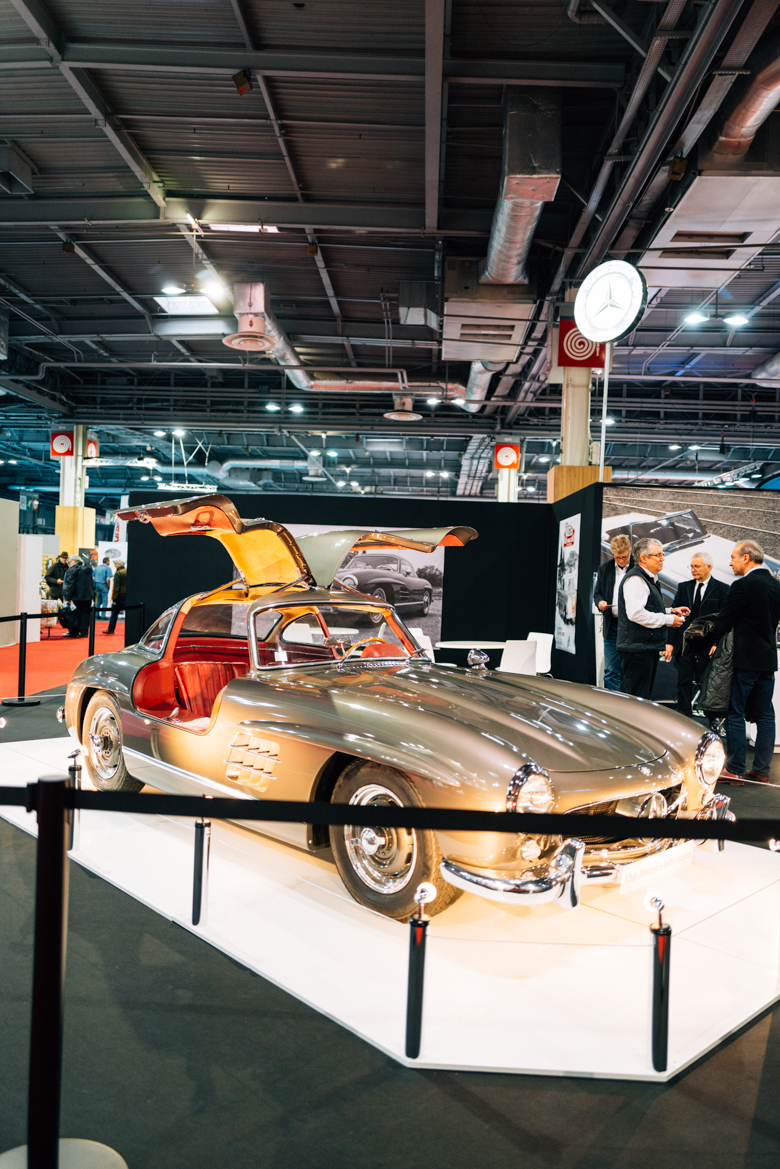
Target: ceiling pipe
[
  {"x": 751, "y": 112},
  {"x": 530, "y": 174},
  {"x": 477, "y": 386},
  {"x": 713, "y": 26}
]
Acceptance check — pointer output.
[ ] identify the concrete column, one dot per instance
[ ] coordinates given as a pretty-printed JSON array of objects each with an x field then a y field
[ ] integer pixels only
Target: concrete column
[
  {"x": 575, "y": 418},
  {"x": 74, "y": 523},
  {"x": 506, "y": 490}
]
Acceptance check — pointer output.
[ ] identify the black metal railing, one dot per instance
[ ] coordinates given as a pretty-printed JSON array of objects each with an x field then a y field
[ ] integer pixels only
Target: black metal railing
[
  {"x": 57, "y": 799},
  {"x": 21, "y": 698}
]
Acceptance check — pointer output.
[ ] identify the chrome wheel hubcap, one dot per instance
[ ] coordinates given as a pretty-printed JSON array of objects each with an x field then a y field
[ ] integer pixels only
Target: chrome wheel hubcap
[
  {"x": 383, "y": 858},
  {"x": 105, "y": 744}
]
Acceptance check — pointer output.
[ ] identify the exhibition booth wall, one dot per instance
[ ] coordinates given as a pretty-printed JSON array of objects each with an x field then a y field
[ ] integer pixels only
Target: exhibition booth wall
[{"x": 501, "y": 587}]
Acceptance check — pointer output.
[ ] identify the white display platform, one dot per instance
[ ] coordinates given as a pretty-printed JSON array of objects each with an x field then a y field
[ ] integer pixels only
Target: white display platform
[{"x": 541, "y": 991}]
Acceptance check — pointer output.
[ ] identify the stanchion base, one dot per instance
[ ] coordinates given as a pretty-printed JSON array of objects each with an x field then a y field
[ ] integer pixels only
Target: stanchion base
[
  {"x": 74, "y": 1154},
  {"x": 20, "y": 701}
]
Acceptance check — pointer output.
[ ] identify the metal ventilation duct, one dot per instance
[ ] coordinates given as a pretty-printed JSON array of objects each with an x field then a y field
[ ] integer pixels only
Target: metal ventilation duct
[
  {"x": 531, "y": 171},
  {"x": 751, "y": 112}
]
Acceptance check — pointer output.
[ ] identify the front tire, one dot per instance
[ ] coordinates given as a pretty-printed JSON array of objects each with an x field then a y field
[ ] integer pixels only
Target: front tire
[
  {"x": 102, "y": 746},
  {"x": 426, "y": 603},
  {"x": 382, "y": 867}
]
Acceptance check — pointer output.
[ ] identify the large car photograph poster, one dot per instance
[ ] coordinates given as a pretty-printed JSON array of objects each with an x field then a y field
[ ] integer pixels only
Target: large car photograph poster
[
  {"x": 410, "y": 581},
  {"x": 566, "y": 583}
]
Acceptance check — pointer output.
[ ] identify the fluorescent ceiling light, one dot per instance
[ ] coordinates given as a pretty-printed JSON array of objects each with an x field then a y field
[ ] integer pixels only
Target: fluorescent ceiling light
[
  {"x": 333, "y": 454},
  {"x": 216, "y": 290},
  {"x": 272, "y": 406},
  {"x": 173, "y": 290},
  {"x": 187, "y": 306},
  {"x": 429, "y": 474},
  {"x": 178, "y": 433},
  {"x": 314, "y": 454},
  {"x": 159, "y": 434},
  {"x": 544, "y": 458},
  {"x": 694, "y": 448},
  {"x": 12, "y": 462},
  {"x": 432, "y": 401},
  {"x": 735, "y": 320},
  {"x": 296, "y": 408},
  {"x": 158, "y": 478},
  {"x": 675, "y": 447},
  {"x": 444, "y": 474},
  {"x": 609, "y": 421},
  {"x": 144, "y": 478},
  {"x": 341, "y": 483},
  {"x": 256, "y": 227},
  {"x": 354, "y": 484},
  {"x": 458, "y": 401},
  {"x": 530, "y": 487},
  {"x": 696, "y": 318}
]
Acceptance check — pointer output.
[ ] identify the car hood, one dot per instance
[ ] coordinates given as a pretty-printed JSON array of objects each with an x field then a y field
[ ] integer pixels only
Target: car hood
[
  {"x": 266, "y": 553},
  {"x": 562, "y": 732}
]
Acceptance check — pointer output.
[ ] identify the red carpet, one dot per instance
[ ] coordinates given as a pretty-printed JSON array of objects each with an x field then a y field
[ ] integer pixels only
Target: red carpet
[{"x": 51, "y": 661}]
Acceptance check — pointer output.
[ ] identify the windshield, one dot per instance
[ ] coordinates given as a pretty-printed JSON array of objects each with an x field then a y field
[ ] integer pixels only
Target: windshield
[
  {"x": 671, "y": 531},
  {"x": 310, "y": 635}
]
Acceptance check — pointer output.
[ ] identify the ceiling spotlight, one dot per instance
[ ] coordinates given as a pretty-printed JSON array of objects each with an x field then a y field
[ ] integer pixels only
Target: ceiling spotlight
[
  {"x": 315, "y": 453},
  {"x": 675, "y": 446},
  {"x": 354, "y": 484},
  {"x": 144, "y": 478},
  {"x": 544, "y": 458},
  {"x": 696, "y": 318},
  {"x": 757, "y": 475},
  {"x": 272, "y": 406},
  {"x": 159, "y": 434},
  {"x": 609, "y": 421},
  {"x": 215, "y": 289},
  {"x": 530, "y": 487},
  {"x": 444, "y": 474},
  {"x": 178, "y": 433},
  {"x": 694, "y": 448},
  {"x": 1, "y": 462},
  {"x": 173, "y": 290},
  {"x": 736, "y": 320},
  {"x": 433, "y": 401},
  {"x": 429, "y": 474},
  {"x": 333, "y": 454},
  {"x": 157, "y": 478},
  {"x": 296, "y": 408},
  {"x": 12, "y": 462},
  {"x": 341, "y": 483},
  {"x": 459, "y": 401}
]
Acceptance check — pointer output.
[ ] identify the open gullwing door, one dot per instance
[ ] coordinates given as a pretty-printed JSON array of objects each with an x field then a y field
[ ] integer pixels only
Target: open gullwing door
[{"x": 265, "y": 553}]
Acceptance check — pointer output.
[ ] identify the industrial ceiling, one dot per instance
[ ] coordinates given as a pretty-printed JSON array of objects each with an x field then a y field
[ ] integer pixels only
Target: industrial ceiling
[{"x": 360, "y": 160}]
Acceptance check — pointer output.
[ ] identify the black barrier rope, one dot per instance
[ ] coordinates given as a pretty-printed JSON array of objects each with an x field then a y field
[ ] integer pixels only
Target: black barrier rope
[
  {"x": 391, "y": 816},
  {"x": 21, "y": 699}
]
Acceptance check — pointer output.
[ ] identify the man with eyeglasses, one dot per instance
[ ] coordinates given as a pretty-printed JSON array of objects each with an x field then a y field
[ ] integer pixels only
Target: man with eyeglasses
[{"x": 643, "y": 619}]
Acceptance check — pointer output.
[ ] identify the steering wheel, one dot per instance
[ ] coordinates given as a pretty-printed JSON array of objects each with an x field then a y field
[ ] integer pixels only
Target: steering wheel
[{"x": 357, "y": 645}]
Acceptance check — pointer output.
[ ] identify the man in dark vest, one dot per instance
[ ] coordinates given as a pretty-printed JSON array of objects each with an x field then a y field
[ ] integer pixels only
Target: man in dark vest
[{"x": 643, "y": 619}]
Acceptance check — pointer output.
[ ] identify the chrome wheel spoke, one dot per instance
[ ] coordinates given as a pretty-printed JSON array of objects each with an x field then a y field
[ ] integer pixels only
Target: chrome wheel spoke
[{"x": 383, "y": 858}]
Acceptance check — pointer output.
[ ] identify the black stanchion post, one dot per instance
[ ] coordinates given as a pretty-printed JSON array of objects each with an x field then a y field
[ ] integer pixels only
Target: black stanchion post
[
  {"x": 74, "y": 819},
  {"x": 51, "y": 912},
  {"x": 92, "y": 619},
  {"x": 418, "y": 929},
  {"x": 200, "y": 874},
  {"x": 662, "y": 946},
  {"x": 20, "y": 699}
]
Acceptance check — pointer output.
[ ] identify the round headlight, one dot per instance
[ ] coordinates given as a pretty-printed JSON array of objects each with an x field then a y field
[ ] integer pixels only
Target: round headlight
[
  {"x": 530, "y": 790},
  {"x": 709, "y": 759}
]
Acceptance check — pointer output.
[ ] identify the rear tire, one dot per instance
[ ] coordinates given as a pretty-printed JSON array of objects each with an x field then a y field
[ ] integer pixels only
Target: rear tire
[
  {"x": 101, "y": 735},
  {"x": 382, "y": 867}
]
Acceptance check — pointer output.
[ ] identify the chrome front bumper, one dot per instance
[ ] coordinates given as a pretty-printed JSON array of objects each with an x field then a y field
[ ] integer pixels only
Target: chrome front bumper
[{"x": 560, "y": 880}]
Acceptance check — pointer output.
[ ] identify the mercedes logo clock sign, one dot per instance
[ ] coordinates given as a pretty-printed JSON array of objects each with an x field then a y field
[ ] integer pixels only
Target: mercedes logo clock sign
[{"x": 610, "y": 301}]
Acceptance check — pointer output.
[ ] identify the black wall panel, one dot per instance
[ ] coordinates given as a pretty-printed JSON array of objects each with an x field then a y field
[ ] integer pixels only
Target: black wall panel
[{"x": 500, "y": 586}]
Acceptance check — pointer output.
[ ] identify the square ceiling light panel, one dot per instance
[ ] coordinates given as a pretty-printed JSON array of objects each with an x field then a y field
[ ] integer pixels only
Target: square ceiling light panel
[{"x": 187, "y": 306}]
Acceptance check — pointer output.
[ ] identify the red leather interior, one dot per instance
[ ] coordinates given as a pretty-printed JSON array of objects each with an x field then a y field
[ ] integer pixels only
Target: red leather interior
[
  {"x": 199, "y": 683},
  {"x": 382, "y": 649}
]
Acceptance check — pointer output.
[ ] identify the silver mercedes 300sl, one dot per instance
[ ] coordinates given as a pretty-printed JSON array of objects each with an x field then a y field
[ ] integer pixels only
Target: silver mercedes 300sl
[{"x": 285, "y": 684}]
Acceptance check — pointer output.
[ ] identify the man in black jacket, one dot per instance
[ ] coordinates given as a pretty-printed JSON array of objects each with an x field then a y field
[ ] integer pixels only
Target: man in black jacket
[
  {"x": 642, "y": 619},
  {"x": 56, "y": 575},
  {"x": 608, "y": 580},
  {"x": 704, "y": 596},
  {"x": 752, "y": 610},
  {"x": 78, "y": 588}
]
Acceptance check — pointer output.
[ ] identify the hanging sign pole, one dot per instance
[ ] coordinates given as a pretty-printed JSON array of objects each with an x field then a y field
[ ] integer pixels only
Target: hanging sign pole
[{"x": 604, "y": 399}]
